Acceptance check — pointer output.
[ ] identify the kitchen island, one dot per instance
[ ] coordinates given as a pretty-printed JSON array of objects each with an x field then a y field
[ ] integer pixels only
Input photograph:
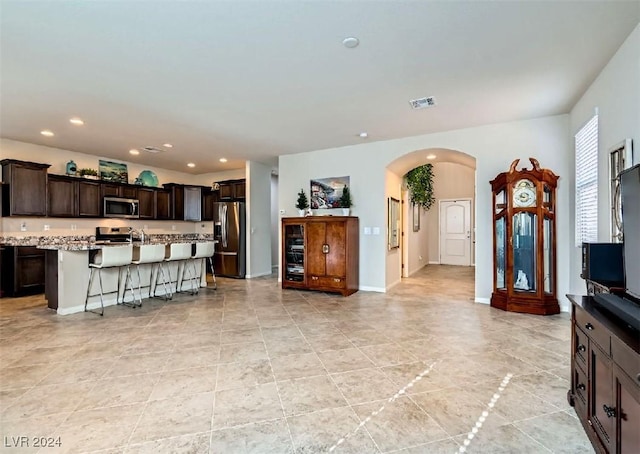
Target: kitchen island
[{"x": 67, "y": 272}]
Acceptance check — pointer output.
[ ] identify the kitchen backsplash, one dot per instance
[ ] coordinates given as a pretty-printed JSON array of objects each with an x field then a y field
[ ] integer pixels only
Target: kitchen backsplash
[{"x": 32, "y": 226}]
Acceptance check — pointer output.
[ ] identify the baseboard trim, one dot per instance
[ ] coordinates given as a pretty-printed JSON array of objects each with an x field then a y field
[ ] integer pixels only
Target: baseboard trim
[
  {"x": 434, "y": 262},
  {"x": 482, "y": 300},
  {"x": 366, "y": 288},
  {"x": 264, "y": 273}
]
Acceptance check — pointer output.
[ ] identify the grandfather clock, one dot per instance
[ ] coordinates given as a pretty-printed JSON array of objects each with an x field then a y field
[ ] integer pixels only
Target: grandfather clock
[{"x": 524, "y": 240}]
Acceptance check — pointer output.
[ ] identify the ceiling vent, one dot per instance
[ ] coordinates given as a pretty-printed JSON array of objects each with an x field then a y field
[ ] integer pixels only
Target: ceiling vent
[
  {"x": 153, "y": 150},
  {"x": 423, "y": 103}
]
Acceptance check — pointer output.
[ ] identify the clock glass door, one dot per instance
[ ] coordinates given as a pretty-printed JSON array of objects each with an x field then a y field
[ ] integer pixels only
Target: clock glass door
[
  {"x": 500, "y": 253},
  {"x": 524, "y": 252},
  {"x": 547, "y": 235}
]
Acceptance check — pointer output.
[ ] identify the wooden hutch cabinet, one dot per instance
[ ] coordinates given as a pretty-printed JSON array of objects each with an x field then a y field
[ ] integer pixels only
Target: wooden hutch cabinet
[
  {"x": 321, "y": 253},
  {"x": 524, "y": 240}
]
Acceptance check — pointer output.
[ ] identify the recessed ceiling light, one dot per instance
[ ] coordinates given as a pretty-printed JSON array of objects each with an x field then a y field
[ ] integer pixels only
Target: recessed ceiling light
[
  {"x": 134, "y": 151},
  {"x": 431, "y": 156},
  {"x": 350, "y": 42},
  {"x": 167, "y": 145},
  {"x": 364, "y": 135},
  {"x": 191, "y": 164},
  {"x": 76, "y": 121},
  {"x": 47, "y": 133},
  {"x": 223, "y": 159}
]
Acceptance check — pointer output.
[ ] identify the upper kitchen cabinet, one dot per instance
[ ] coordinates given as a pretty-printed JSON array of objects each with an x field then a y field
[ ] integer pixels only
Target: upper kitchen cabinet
[
  {"x": 147, "y": 198},
  {"x": 186, "y": 202},
  {"x": 163, "y": 204},
  {"x": 231, "y": 190},
  {"x": 89, "y": 200},
  {"x": 208, "y": 199},
  {"x": 24, "y": 192},
  {"x": 126, "y": 191},
  {"x": 72, "y": 197},
  {"x": 62, "y": 196}
]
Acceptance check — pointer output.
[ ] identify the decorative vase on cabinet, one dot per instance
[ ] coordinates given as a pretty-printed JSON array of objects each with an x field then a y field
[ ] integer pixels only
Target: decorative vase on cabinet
[{"x": 524, "y": 240}]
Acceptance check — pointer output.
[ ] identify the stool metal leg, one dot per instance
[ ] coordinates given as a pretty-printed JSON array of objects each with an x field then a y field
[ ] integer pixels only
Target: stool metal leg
[
  {"x": 160, "y": 272},
  {"x": 86, "y": 301}
]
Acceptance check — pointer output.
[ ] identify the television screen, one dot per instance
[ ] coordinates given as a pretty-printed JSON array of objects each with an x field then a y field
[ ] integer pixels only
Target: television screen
[{"x": 630, "y": 186}]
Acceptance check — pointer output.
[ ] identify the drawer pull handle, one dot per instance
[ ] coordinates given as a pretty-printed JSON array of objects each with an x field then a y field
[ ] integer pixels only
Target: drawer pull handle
[
  {"x": 609, "y": 411},
  {"x": 335, "y": 279},
  {"x": 589, "y": 326},
  {"x": 582, "y": 348},
  {"x": 325, "y": 248},
  {"x": 581, "y": 387}
]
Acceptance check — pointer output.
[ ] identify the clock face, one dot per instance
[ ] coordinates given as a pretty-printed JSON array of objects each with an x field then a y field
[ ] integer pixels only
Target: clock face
[{"x": 524, "y": 194}]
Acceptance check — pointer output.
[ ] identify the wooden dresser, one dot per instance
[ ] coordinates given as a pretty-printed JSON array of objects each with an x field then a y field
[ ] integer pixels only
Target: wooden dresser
[{"x": 605, "y": 377}]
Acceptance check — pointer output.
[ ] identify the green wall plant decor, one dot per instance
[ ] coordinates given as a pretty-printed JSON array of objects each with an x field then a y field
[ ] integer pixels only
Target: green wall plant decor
[{"x": 420, "y": 184}]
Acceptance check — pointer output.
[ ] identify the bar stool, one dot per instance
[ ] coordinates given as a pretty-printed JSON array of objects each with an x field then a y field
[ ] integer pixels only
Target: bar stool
[
  {"x": 153, "y": 254},
  {"x": 203, "y": 250},
  {"x": 110, "y": 257},
  {"x": 177, "y": 252}
]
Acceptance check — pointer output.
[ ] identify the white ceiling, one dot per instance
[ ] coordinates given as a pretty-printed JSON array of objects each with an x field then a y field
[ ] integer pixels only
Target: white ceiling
[{"x": 254, "y": 80}]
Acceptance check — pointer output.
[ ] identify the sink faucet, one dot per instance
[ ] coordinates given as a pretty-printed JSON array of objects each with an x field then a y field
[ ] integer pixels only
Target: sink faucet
[{"x": 140, "y": 232}]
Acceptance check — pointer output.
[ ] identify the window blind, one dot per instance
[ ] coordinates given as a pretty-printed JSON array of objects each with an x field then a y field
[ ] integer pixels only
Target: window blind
[{"x": 586, "y": 143}]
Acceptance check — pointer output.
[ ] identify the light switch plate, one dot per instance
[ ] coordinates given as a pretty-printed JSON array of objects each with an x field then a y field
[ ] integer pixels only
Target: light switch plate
[
  {"x": 367, "y": 230},
  {"x": 376, "y": 230}
]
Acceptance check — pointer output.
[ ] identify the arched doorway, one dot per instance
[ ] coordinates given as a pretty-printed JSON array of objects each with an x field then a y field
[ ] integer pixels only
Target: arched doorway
[{"x": 454, "y": 180}]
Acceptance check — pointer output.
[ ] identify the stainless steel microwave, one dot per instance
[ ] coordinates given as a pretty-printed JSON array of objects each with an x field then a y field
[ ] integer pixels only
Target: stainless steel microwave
[{"x": 117, "y": 207}]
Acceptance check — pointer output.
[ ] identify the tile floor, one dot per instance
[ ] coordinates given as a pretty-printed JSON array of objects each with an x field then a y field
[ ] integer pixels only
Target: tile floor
[{"x": 250, "y": 368}]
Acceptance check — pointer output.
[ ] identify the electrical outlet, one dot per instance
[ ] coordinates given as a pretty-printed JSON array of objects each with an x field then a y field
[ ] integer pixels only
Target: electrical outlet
[
  {"x": 376, "y": 230},
  {"x": 283, "y": 211},
  {"x": 420, "y": 257},
  {"x": 145, "y": 227},
  {"x": 173, "y": 227},
  {"x": 367, "y": 230},
  {"x": 23, "y": 227},
  {"x": 47, "y": 227}
]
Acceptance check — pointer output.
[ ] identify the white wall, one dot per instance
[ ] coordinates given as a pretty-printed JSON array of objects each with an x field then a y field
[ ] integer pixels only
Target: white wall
[
  {"x": 258, "y": 219},
  {"x": 416, "y": 246},
  {"x": 393, "y": 188},
  {"x": 616, "y": 94},
  {"x": 450, "y": 181},
  {"x": 493, "y": 146}
]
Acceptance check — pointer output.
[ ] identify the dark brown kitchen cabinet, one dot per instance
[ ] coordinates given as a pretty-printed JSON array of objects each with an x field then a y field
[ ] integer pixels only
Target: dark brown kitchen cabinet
[
  {"x": 163, "y": 204},
  {"x": 73, "y": 197},
  {"x": 605, "y": 379},
  {"x": 208, "y": 199},
  {"x": 126, "y": 191},
  {"x": 186, "y": 202},
  {"x": 22, "y": 270},
  {"x": 62, "y": 197},
  {"x": 89, "y": 200},
  {"x": 147, "y": 198},
  {"x": 24, "y": 192},
  {"x": 231, "y": 190},
  {"x": 321, "y": 253}
]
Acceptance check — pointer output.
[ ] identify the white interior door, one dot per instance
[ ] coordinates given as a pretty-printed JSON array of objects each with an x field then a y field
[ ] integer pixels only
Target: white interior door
[{"x": 455, "y": 232}]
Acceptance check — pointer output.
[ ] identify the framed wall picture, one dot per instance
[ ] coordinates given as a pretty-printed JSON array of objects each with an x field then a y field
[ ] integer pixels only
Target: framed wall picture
[
  {"x": 326, "y": 192},
  {"x": 113, "y": 171},
  {"x": 394, "y": 223},
  {"x": 416, "y": 217}
]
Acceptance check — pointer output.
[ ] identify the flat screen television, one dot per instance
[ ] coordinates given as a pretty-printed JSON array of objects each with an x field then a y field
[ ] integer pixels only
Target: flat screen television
[{"x": 627, "y": 307}]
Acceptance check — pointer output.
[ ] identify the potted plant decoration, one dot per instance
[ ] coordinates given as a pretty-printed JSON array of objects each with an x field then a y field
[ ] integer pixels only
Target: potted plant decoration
[
  {"x": 89, "y": 173},
  {"x": 302, "y": 203},
  {"x": 345, "y": 201}
]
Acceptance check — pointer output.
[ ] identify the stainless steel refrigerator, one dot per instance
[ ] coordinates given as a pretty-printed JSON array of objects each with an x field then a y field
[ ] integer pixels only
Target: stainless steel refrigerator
[{"x": 229, "y": 227}]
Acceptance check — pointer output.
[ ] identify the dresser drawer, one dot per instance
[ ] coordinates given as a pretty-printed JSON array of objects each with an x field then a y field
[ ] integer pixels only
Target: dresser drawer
[
  {"x": 327, "y": 282},
  {"x": 581, "y": 346},
  {"x": 581, "y": 390},
  {"x": 594, "y": 330}
]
